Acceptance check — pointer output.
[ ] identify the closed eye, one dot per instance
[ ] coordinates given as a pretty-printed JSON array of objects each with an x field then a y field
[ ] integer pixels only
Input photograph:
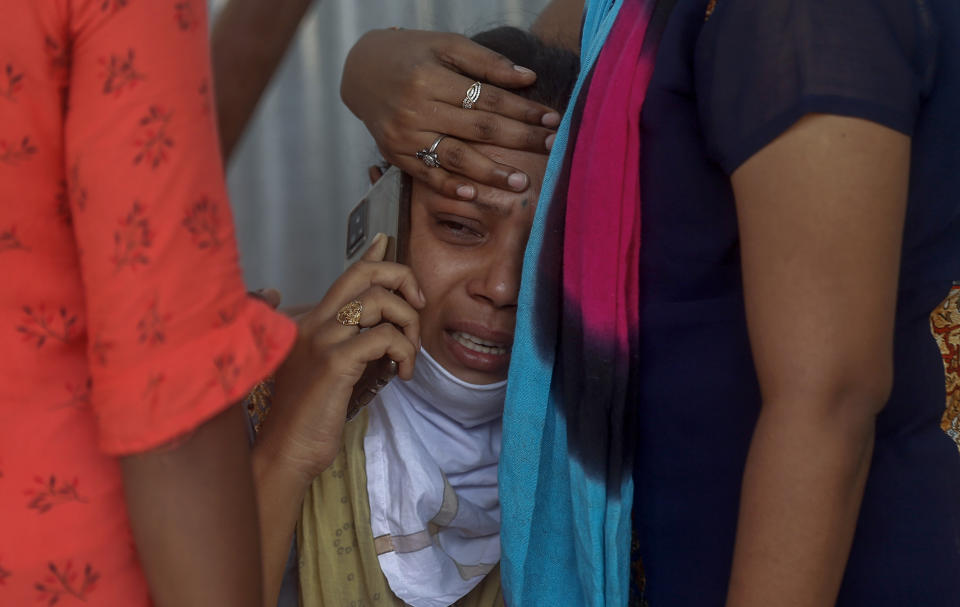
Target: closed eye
[{"x": 459, "y": 230}]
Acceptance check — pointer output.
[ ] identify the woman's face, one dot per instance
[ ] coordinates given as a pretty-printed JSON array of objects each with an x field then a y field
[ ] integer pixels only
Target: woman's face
[{"x": 467, "y": 257}]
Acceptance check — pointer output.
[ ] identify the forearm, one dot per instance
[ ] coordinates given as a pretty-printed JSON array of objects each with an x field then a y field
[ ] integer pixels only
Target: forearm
[
  {"x": 802, "y": 489},
  {"x": 280, "y": 491},
  {"x": 193, "y": 517},
  {"x": 249, "y": 39}
]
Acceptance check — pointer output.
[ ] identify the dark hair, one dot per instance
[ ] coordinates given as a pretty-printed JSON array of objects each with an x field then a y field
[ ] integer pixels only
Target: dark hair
[{"x": 556, "y": 67}]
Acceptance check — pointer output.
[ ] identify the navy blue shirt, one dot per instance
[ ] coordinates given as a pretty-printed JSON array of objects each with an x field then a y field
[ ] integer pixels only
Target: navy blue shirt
[{"x": 722, "y": 89}]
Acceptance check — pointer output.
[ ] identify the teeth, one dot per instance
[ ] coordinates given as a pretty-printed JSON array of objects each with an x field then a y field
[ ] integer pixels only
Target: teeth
[{"x": 478, "y": 345}]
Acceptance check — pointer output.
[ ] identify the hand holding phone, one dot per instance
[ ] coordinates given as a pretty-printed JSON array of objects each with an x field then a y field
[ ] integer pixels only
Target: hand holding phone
[{"x": 314, "y": 386}]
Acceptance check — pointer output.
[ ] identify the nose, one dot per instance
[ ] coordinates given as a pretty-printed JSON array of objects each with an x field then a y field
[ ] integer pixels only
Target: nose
[{"x": 498, "y": 282}]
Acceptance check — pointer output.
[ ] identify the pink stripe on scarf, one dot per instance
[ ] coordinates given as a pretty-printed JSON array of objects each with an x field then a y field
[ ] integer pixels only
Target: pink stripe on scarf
[{"x": 602, "y": 229}]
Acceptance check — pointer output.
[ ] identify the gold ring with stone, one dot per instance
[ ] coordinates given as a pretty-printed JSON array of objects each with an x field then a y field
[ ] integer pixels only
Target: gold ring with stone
[{"x": 349, "y": 315}]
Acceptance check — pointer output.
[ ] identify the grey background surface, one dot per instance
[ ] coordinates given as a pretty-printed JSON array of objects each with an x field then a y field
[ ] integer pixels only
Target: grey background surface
[{"x": 302, "y": 163}]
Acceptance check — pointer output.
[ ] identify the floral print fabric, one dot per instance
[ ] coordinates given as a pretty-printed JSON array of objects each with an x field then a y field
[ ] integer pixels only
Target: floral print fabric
[
  {"x": 124, "y": 322},
  {"x": 945, "y": 326}
]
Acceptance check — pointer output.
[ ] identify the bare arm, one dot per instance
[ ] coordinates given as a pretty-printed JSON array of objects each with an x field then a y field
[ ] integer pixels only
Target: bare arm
[
  {"x": 250, "y": 38},
  {"x": 280, "y": 488},
  {"x": 821, "y": 213},
  {"x": 301, "y": 436},
  {"x": 192, "y": 511},
  {"x": 559, "y": 23}
]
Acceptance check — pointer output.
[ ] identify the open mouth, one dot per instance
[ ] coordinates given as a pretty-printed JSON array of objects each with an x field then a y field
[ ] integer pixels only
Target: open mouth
[{"x": 474, "y": 343}]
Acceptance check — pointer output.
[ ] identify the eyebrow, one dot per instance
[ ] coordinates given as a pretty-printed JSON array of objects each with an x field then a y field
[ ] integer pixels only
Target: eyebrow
[
  {"x": 491, "y": 207},
  {"x": 500, "y": 209}
]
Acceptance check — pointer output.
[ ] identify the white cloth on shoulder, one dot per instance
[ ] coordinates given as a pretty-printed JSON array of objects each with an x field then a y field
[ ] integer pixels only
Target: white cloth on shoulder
[{"x": 431, "y": 447}]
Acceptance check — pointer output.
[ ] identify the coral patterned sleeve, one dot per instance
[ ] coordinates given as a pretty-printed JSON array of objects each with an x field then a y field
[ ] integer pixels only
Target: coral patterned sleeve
[
  {"x": 124, "y": 322},
  {"x": 173, "y": 338}
]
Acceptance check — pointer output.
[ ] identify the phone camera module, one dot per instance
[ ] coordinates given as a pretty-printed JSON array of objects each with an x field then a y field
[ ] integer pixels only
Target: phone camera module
[{"x": 357, "y": 228}]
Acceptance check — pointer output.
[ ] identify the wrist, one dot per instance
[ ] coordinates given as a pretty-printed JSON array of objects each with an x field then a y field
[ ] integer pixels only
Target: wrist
[{"x": 273, "y": 466}]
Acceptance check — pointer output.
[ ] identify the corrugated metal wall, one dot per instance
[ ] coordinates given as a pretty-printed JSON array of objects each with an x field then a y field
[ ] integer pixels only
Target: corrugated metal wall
[{"x": 302, "y": 164}]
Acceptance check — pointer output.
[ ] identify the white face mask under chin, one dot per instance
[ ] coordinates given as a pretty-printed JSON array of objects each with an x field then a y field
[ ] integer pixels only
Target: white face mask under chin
[
  {"x": 431, "y": 447},
  {"x": 468, "y": 404}
]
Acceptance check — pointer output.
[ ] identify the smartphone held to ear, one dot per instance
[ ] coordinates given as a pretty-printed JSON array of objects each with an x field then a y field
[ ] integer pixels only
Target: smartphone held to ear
[{"x": 385, "y": 209}]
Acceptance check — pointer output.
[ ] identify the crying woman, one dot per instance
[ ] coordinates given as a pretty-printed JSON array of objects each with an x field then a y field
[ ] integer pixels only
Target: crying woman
[{"x": 400, "y": 505}]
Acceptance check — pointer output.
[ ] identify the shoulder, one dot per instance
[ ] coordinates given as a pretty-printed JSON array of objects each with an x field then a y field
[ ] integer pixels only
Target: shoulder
[
  {"x": 815, "y": 26},
  {"x": 762, "y": 64}
]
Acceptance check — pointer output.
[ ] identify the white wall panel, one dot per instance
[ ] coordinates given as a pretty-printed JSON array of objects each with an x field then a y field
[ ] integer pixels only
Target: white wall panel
[{"x": 302, "y": 163}]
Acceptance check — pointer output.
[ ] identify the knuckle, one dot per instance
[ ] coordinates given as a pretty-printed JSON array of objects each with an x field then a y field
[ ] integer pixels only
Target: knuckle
[
  {"x": 532, "y": 115},
  {"x": 361, "y": 267},
  {"x": 485, "y": 128},
  {"x": 407, "y": 277},
  {"x": 390, "y": 135},
  {"x": 319, "y": 347},
  {"x": 399, "y": 347},
  {"x": 423, "y": 174},
  {"x": 383, "y": 330},
  {"x": 532, "y": 138},
  {"x": 405, "y": 315},
  {"x": 448, "y": 186},
  {"x": 376, "y": 294},
  {"x": 404, "y": 273},
  {"x": 492, "y": 98},
  {"x": 419, "y": 77},
  {"x": 401, "y": 145},
  {"x": 435, "y": 179},
  {"x": 455, "y": 156},
  {"x": 440, "y": 182},
  {"x": 443, "y": 53},
  {"x": 497, "y": 175},
  {"x": 404, "y": 119}
]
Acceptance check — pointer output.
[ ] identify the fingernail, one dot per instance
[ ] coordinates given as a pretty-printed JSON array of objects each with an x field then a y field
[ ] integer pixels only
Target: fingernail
[
  {"x": 467, "y": 192},
  {"x": 549, "y": 141},
  {"x": 377, "y": 238},
  {"x": 522, "y": 69},
  {"x": 551, "y": 119},
  {"x": 423, "y": 298},
  {"x": 517, "y": 181}
]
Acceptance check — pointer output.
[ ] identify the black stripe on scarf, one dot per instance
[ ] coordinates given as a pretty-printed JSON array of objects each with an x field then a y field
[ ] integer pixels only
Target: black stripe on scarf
[{"x": 601, "y": 440}]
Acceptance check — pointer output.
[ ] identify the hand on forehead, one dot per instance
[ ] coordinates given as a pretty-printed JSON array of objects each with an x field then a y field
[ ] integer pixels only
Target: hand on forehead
[{"x": 496, "y": 199}]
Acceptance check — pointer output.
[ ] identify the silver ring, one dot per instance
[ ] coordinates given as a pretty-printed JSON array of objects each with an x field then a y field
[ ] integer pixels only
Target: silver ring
[
  {"x": 473, "y": 93},
  {"x": 429, "y": 156}
]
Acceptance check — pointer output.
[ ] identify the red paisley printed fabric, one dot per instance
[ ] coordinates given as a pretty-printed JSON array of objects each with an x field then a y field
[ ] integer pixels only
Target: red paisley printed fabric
[{"x": 124, "y": 322}]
